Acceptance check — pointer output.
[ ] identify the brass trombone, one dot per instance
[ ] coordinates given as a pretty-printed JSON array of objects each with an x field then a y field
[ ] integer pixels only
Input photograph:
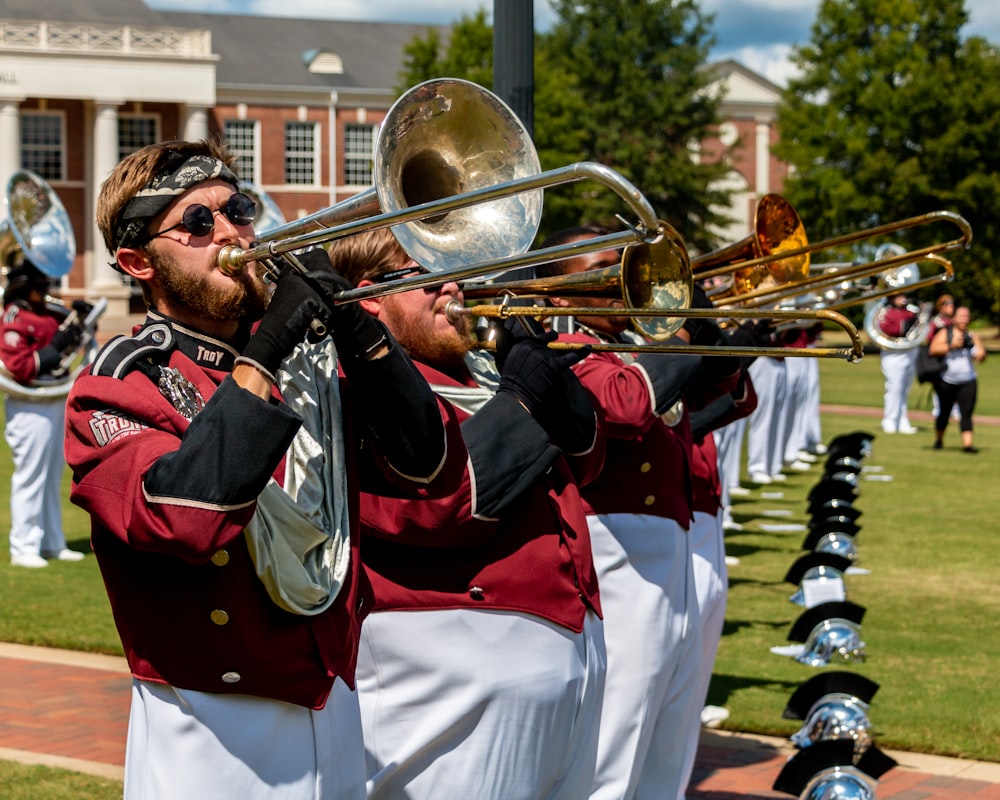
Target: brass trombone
[
  {"x": 449, "y": 146},
  {"x": 774, "y": 295},
  {"x": 777, "y": 229},
  {"x": 853, "y": 354}
]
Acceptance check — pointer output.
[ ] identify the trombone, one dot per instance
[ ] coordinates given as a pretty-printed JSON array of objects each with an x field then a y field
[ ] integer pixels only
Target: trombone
[
  {"x": 503, "y": 310},
  {"x": 776, "y": 293},
  {"x": 440, "y": 151}
]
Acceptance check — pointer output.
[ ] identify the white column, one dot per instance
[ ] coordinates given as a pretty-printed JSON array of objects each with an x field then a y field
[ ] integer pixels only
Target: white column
[
  {"x": 10, "y": 143},
  {"x": 195, "y": 123},
  {"x": 763, "y": 179},
  {"x": 104, "y": 280}
]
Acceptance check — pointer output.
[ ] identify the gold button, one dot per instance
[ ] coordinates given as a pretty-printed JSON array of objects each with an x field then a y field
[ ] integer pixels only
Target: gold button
[
  {"x": 231, "y": 677},
  {"x": 221, "y": 558},
  {"x": 646, "y": 467},
  {"x": 219, "y": 617},
  {"x": 650, "y": 499}
]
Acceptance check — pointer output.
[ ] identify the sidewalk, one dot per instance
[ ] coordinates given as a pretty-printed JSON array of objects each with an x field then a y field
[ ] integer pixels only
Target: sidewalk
[{"x": 70, "y": 710}]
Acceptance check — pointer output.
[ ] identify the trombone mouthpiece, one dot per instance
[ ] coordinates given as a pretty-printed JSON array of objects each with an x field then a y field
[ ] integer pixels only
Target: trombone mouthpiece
[
  {"x": 453, "y": 311},
  {"x": 230, "y": 261}
]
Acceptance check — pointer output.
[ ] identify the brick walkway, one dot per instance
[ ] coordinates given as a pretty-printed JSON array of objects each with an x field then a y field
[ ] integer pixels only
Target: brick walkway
[{"x": 70, "y": 710}]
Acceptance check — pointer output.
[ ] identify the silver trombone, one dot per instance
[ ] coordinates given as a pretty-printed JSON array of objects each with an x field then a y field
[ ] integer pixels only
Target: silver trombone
[{"x": 449, "y": 146}]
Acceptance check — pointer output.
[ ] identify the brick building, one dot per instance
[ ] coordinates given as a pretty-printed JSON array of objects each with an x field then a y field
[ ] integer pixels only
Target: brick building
[{"x": 299, "y": 100}]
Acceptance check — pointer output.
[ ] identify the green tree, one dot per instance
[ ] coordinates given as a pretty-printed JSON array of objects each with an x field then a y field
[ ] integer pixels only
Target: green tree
[
  {"x": 639, "y": 115},
  {"x": 467, "y": 54},
  {"x": 891, "y": 118},
  {"x": 630, "y": 93}
]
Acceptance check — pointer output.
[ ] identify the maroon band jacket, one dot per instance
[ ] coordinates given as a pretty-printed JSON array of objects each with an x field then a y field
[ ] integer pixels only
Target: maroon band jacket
[
  {"x": 23, "y": 334},
  {"x": 169, "y": 499},
  {"x": 647, "y": 467},
  {"x": 512, "y": 537}
]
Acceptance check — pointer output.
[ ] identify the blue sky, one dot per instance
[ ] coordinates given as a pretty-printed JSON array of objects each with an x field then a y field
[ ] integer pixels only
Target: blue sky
[{"x": 758, "y": 33}]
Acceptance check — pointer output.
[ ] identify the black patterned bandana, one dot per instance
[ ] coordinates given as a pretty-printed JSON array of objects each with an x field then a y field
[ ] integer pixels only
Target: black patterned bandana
[{"x": 178, "y": 174}]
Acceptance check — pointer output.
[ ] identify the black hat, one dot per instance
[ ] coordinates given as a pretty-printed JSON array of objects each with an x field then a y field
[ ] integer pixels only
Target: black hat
[
  {"x": 832, "y": 490},
  {"x": 810, "y": 764},
  {"x": 832, "y": 682},
  {"x": 811, "y": 617},
  {"x": 857, "y": 442},
  {"x": 839, "y": 522},
  {"x": 22, "y": 279},
  {"x": 814, "y": 536},
  {"x": 812, "y": 560},
  {"x": 825, "y": 509},
  {"x": 841, "y": 474}
]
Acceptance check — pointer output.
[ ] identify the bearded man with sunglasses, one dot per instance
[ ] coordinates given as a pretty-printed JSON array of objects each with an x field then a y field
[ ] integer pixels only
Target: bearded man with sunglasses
[{"x": 220, "y": 458}]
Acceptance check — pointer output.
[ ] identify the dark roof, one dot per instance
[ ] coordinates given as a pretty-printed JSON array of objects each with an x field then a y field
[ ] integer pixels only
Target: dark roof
[
  {"x": 258, "y": 51},
  {"x": 128, "y": 12},
  {"x": 268, "y": 51}
]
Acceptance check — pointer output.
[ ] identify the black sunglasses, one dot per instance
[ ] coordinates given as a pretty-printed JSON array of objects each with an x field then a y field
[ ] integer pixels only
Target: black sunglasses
[
  {"x": 410, "y": 270},
  {"x": 199, "y": 220}
]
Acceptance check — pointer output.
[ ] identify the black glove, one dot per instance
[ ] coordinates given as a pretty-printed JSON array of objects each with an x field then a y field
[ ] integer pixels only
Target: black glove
[
  {"x": 753, "y": 333},
  {"x": 701, "y": 331},
  {"x": 67, "y": 338},
  {"x": 534, "y": 373},
  {"x": 510, "y": 332},
  {"x": 82, "y": 308},
  {"x": 355, "y": 332},
  {"x": 296, "y": 302}
]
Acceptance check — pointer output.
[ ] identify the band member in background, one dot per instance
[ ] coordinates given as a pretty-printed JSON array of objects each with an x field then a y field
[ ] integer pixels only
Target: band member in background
[
  {"x": 33, "y": 343},
  {"x": 224, "y": 512},
  {"x": 482, "y": 666},
  {"x": 899, "y": 367},
  {"x": 961, "y": 349},
  {"x": 639, "y": 511}
]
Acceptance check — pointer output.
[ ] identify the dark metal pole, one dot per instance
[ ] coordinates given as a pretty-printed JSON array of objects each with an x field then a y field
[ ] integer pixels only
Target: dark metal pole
[{"x": 513, "y": 57}]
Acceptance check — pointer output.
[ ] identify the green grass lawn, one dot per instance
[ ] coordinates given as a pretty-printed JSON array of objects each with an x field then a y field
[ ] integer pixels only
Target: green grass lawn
[{"x": 931, "y": 598}]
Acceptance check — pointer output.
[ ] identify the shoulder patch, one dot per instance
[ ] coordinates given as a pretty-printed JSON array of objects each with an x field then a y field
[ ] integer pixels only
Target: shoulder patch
[{"x": 122, "y": 354}]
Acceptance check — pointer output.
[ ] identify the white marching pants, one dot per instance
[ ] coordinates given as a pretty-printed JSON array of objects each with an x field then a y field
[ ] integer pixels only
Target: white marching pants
[
  {"x": 491, "y": 705},
  {"x": 899, "y": 367},
  {"x": 765, "y": 425},
  {"x": 811, "y": 414},
  {"x": 796, "y": 399},
  {"x": 711, "y": 581},
  {"x": 34, "y": 432},
  {"x": 653, "y": 635},
  {"x": 187, "y": 745}
]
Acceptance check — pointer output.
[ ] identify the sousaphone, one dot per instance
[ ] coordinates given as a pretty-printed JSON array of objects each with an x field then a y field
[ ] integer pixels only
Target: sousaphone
[{"x": 36, "y": 227}]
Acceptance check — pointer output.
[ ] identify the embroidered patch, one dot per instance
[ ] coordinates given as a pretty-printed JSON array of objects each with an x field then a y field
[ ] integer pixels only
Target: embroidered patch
[
  {"x": 110, "y": 425},
  {"x": 183, "y": 395},
  {"x": 12, "y": 339}
]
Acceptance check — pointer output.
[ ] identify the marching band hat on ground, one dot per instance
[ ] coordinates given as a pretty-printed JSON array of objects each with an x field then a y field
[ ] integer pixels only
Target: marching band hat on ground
[
  {"x": 850, "y": 477},
  {"x": 829, "y": 631},
  {"x": 830, "y": 682},
  {"x": 828, "y": 509},
  {"x": 831, "y": 490},
  {"x": 858, "y": 444},
  {"x": 814, "y": 561},
  {"x": 838, "y": 543},
  {"x": 838, "y": 522},
  {"x": 829, "y": 770}
]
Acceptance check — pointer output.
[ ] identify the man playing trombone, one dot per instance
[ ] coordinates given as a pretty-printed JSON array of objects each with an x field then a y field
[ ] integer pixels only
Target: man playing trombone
[
  {"x": 482, "y": 666},
  {"x": 224, "y": 511},
  {"x": 639, "y": 512}
]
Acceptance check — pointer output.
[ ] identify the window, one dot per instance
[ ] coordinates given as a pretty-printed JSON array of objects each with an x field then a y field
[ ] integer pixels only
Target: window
[
  {"x": 300, "y": 153},
  {"x": 241, "y": 137},
  {"x": 359, "y": 154},
  {"x": 42, "y": 145},
  {"x": 136, "y": 131}
]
